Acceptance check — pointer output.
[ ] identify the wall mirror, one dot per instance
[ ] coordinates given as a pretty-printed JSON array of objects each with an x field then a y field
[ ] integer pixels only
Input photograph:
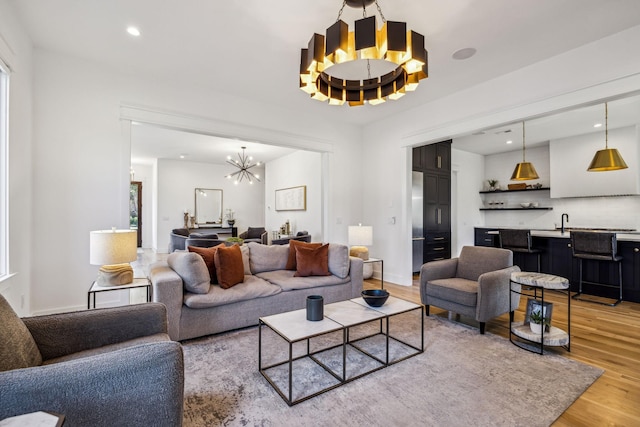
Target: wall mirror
[{"x": 208, "y": 206}]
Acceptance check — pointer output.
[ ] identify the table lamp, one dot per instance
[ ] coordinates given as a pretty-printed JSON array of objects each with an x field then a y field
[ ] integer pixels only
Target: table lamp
[
  {"x": 360, "y": 236},
  {"x": 113, "y": 250}
]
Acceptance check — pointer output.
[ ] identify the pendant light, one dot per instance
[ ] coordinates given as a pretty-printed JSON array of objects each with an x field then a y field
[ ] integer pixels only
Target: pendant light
[
  {"x": 524, "y": 170},
  {"x": 608, "y": 159}
]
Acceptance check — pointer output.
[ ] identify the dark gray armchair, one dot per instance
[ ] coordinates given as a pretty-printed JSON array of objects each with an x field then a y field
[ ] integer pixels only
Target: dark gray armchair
[
  {"x": 177, "y": 239},
  {"x": 255, "y": 234},
  {"x": 476, "y": 284},
  {"x": 104, "y": 367}
]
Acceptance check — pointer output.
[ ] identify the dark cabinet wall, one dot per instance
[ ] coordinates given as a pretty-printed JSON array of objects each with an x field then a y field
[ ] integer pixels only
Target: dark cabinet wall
[
  {"x": 434, "y": 161},
  {"x": 557, "y": 259}
]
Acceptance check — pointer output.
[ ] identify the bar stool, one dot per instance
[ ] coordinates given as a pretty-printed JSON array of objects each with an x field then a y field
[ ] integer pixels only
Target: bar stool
[
  {"x": 518, "y": 241},
  {"x": 596, "y": 246}
]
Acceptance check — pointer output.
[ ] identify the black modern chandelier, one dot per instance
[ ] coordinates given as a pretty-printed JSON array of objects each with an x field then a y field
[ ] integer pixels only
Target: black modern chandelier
[
  {"x": 327, "y": 64},
  {"x": 243, "y": 164}
]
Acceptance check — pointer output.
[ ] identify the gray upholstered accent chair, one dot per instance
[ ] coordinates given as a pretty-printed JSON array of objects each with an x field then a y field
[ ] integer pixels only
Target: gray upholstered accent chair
[
  {"x": 177, "y": 239},
  {"x": 476, "y": 284},
  {"x": 104, "y": 367},
  {"x": 255, "y": 234}
]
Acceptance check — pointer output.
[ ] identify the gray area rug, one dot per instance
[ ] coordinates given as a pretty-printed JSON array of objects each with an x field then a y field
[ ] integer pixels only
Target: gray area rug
[{"x": 462, "y": 378}]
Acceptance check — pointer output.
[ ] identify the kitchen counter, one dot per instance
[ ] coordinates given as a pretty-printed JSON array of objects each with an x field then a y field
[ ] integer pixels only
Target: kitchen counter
[{"x": 631, "y": 236}]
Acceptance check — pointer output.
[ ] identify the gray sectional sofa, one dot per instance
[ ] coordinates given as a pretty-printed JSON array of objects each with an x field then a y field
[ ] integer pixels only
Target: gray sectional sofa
[{"x": 268, "y": 288}]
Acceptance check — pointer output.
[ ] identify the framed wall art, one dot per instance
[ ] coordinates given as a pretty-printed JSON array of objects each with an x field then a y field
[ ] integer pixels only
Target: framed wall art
[{"x": 292, "y": 199}]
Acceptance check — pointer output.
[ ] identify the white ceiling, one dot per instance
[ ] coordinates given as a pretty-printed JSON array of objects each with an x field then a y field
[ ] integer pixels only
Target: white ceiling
[{"x": 217, "y": 44}]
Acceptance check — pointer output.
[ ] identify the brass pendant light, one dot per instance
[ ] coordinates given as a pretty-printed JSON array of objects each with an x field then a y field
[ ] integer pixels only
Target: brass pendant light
[
  {"x": 608, "y": 159},
  {"x": 524, "y": 170}
]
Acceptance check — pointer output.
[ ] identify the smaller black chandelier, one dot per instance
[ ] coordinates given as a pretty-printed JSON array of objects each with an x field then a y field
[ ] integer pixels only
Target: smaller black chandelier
[
  {"x": 392, "y": 43},
  {"x": 243, "y": 164}
]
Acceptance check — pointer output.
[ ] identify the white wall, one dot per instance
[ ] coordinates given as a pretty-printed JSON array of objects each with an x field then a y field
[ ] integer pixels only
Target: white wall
[
  {"x": 564, "y": 81},
  {"x": 81, "y": 162},
  {"x": 466, "y": 168},
  {"x": 177, "y": 181},
  {"x": 293, "y": 170},
  {"x": 16, "y": 52}
]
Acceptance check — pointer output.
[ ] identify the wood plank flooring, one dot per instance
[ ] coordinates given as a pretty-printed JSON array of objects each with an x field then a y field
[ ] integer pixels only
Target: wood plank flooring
[{"x": 602, "y": 336}]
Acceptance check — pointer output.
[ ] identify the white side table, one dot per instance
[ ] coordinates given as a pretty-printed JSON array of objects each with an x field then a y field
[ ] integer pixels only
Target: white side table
[
  {"x": 142, "y": 282},
  {"x": 372, "y": 260}
]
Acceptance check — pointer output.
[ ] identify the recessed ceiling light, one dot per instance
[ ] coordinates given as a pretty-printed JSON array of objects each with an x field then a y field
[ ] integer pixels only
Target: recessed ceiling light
[
  {"x": 509, "y": 142},
  {"x": 182, "y": 156},
  {"x": 597, "y": 125},
  {"x": 464, "y": 53},
  {"x": 133, "y": 31}
]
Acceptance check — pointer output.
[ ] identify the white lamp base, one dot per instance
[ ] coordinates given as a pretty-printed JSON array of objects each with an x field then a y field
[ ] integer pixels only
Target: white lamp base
[{"x": 116, "y": 274}]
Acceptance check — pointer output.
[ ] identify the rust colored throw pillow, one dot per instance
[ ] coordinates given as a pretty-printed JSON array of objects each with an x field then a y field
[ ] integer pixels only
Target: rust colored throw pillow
[
  {"x": 229, "y": 267},
  {"x": 312, "y": 261},
  {"x": 208, "y": 255},
  {"x": 293, "y": 245}
]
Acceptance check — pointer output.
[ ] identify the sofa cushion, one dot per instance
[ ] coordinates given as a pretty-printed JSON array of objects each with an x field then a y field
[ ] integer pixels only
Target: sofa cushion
[
  {"x": 204, "y": 236},
  {"x": 245, "y": 259},
  {"x": 293, "y": 246},
  {"x": 192, "y": 270},
  {"x": 208, "y": 255},
  {"x": 229, "y": 268},
  {"x": 463, "y": 291},
  {"x": 255, "y": 232},
  {"x": 17, "y": 346},
  {"x": 267, "y": 258},
  {"x": 312, "y": 261},
  {"x": 181, "y": 231},
  {"x": 286, "y": 280},
  {"x": 339, "y": 261},
  {"x": 252, "y": 287}
]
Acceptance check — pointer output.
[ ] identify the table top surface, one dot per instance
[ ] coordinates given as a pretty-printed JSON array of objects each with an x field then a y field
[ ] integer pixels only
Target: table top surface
[
  {"x": 540, "y": 280},
  {"x": 138, "y": 282},
  {"x": 294, "y": 326}
]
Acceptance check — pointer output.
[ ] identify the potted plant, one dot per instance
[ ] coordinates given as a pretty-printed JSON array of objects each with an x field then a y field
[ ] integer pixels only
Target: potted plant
[
  {"x": 233, "y": 240},
  {"x": 536, "y": 321},
  {"x": 230, "y": 217},
  {"x": 493, "y": 184}
]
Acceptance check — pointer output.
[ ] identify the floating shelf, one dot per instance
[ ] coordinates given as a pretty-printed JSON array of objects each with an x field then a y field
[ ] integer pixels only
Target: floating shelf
[
  {"x": 517, "y": 209},
  {"x": 514, "y": 191}
]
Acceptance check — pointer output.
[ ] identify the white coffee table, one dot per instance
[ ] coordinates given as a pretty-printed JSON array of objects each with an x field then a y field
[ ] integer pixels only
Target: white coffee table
[{"x": 293, "y": 327}]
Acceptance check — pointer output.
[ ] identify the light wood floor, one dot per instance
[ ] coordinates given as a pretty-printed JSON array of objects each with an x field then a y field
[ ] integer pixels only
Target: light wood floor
[{"x": 606, "y": 337}]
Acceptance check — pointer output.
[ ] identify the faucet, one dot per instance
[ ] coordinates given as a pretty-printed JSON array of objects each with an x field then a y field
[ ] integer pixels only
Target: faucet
[{"x": 562, "y": 220}]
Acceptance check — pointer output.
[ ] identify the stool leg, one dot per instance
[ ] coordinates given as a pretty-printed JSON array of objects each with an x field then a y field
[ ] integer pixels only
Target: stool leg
[{"x": 620, "y": 278}]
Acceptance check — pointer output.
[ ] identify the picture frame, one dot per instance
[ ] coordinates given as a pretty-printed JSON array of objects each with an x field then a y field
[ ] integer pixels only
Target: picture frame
[
  {"x": 533, "y": 305},
  {"x": 292, "y": 198}
]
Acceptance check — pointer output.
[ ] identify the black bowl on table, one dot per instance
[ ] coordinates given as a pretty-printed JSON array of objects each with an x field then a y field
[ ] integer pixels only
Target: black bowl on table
[{"x": 375, "y": 297}]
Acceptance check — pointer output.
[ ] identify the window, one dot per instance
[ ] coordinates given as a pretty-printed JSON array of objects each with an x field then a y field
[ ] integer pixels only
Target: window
[{"x": 4, "y": 170}]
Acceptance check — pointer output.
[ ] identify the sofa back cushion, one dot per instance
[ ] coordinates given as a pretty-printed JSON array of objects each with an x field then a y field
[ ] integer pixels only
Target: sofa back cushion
[
  {"x": 17, "y": 347},
  {"x": 192, "y": 270},
  {"x": 312, "y": 261},
  {"x": 476, "y": 260},
  {"x": 255, "y": 232},
  {"x": 293, "y": 246},
  {"x": 267, "y": 258},
  {"x": 339, "y": 261},
  {"x": 229, "y": 268}
]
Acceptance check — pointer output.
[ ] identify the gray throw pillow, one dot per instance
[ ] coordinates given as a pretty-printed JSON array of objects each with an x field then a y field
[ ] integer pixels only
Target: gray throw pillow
[
  {"x": 17, "y": 347},
  {"x": 339, "y": 261},
  {"x": 192, "y": 270}
]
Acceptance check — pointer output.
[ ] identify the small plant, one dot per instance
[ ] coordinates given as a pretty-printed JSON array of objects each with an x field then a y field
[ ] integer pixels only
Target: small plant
[
  {"x": 536, "y": 317},
  {"x": 235, "y": 240},
  {"x": 492, "y": 183},
  {"x": 230, "y": 214}
]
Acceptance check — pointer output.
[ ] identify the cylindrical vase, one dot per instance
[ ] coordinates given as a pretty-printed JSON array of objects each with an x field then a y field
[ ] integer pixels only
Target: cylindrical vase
[{"x": 315, "y": 308}]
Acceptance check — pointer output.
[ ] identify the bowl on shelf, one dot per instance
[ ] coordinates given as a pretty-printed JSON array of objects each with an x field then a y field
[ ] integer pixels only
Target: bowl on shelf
[
  {"x": 525, "y": 204},
  {"x": 535, "y": 204},
  {"x": 375, "y": 297}
]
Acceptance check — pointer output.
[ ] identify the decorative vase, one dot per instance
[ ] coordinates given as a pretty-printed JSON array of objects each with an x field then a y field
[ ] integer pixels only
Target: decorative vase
[
  {"x": 315, "y": 308},
  {"x": 231, "y": 222},
  {"x": 536, "y": 328}
]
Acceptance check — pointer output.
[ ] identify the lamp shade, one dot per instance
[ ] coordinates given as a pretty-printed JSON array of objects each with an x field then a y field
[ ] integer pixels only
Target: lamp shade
[
  {"x": 524, "y": 171},
  {"x": 608, "y": 159},
  {"x": 108, "y": 247},
  {"x": 360, "y": 235}
]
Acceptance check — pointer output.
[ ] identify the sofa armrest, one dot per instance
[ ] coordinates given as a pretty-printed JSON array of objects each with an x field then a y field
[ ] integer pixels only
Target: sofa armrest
[
  {"x": 356, "y": 267},
  {"x": 264, "y": 238},
  {"x": 494, "y": 295},
  {"x": 243, "y": 235},
  {"x": 140, "y": 385},
  {"x": 168, "y": 289},
  {"x": 61, "y": 334}
]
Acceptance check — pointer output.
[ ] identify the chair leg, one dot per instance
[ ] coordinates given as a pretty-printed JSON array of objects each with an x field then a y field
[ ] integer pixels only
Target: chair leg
[
  {"x": 576, "y": 296},
  {"x": 482, "y": 325},
  {"x": 426, "y": 310}
]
